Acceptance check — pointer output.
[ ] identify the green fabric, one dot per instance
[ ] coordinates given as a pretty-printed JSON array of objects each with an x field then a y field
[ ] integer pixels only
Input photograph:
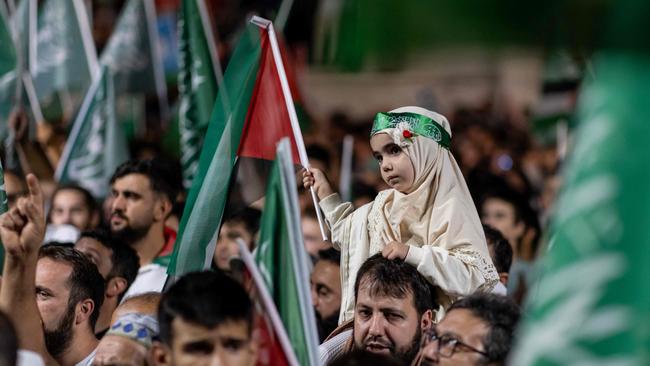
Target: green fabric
[
  {"x": 96, "y": 145},
  {"x": 207, "y": 197},
  {"x": 281, "y": 258},
  {"x": 129, "y": 54},
  {"x": 8, "y": 65},
  {"x": 592, "y": 304},
  {"x": 63, "y": 61},
  {"x": 197, "y": 87},
  {"x": 417, "y": 124},
  {"x": 8, "y": 57}
]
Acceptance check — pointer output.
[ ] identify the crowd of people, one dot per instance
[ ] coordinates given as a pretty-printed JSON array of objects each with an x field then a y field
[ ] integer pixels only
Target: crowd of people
[{"x": 426, "y": 264}]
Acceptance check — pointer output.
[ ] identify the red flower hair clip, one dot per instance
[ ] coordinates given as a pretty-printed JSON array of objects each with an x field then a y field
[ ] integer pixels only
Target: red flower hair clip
[{"x": 407, "y": 134}]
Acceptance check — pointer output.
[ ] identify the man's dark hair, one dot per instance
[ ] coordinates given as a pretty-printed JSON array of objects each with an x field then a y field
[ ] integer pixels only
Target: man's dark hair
[
  {"x": 8, "y": 341},
  {"x": 207, "y": 299},
  {"x": 501, "y": 314},
  {"x": 330, "y": 255},
  {"x": 395, "y": 278},
  {"x": 161, "y": 176},
  {"x": 89, "y": 200},
  {"x": 124, "y": 259},
  {"x": 501, "y": 248},
  {"x": 248, "y": 216},
  {"x": 511, "y": 197},
  {"x": 84, "y": 282}
]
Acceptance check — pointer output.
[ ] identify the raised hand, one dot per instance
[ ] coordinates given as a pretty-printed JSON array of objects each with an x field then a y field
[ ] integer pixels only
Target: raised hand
[
  {"x": 317, "y": 179},
  {"x": 22, "y": 228}
]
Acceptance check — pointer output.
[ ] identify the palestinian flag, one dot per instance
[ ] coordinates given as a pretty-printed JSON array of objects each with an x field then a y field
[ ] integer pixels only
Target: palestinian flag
[{"x": 252, "y": 113}]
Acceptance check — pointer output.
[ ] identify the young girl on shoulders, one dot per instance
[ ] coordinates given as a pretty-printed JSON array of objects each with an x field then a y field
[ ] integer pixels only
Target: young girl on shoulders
[{"x": 427, "y": 217}]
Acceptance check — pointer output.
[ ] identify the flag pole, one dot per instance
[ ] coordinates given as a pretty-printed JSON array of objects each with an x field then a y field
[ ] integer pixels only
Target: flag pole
[
  {"x": 267, "y": 301},
  {"x": 291, "y": 108},
  {"x": 212, "y": 42},
  {"x": 156, "y": 61}
]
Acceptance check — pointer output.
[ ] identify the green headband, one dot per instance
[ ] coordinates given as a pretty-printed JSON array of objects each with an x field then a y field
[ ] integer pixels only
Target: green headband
[{"x": 416, "y": 124}]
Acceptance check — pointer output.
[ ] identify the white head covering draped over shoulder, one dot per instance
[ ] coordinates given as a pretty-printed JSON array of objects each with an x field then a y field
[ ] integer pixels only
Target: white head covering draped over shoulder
[
  {"x": 436, "y": 217},
  {"x": 439, "y": 209}
]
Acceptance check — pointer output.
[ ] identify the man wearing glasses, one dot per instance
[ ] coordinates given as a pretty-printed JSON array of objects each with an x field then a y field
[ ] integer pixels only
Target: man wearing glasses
[{"x": 477, "y": 330}]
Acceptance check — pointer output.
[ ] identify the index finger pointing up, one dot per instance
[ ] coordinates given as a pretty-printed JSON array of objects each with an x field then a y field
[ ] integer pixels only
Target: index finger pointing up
[{"x": 35, "y": 192}]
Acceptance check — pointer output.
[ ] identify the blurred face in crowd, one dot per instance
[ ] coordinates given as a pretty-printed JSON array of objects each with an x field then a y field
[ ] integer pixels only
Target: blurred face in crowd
[
  {"x": 458, "y": 337},
  {"x": 97, "y": 253},
  {"x": 501, "y": 215},
  {"x": 313, "y": 238},
  {"x": 227, "y": 246},
  {"x": 395, "y": 166},
  {"x": 69, "y": 207},
  {"x": 52, "y": 295},
  {"x": 135, "y": 207},
  {"x": 388, "y": 325},
  {"x": 229, "y": 343},
  {"x": 118, "y": 350},
  {"x": 326, "y": 290}
]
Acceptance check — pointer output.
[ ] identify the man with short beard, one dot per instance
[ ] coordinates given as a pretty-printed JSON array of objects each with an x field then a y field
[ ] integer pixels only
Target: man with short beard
[
  {"x": 54, "y": 293},
  {"x": 142, "y": 194},
  {"x": 393, "y": 309},
  {"x": 326, "y": 291}
]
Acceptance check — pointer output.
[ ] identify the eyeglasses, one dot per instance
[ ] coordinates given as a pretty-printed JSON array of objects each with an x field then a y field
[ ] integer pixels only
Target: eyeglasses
[{"x": 447, "y": 345}]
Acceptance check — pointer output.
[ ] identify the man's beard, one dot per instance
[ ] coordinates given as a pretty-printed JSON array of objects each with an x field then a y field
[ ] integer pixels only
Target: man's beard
[
  {"x": 407, "y": 355},
  {"x": 327, "y": 325},
  {"x": 129, "y": 234},
  {"x": 58, "y": 340}
]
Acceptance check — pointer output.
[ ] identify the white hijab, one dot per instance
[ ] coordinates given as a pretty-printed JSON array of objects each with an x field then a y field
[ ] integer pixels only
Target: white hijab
[{"x": 438, "y": 210}]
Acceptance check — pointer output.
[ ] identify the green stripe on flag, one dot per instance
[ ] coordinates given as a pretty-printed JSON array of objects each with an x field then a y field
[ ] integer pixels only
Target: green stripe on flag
[
  {"x": 207, "y": 197},
  {"x": 197, "y": 87},
  {"x": 592, "y": 304},
  {"x": 282, "y": 259},
  {"x": 96, "y": 145}
]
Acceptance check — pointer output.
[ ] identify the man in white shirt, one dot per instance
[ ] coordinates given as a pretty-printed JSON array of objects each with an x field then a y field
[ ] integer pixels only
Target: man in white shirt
[{"x": 142, "y": 196}]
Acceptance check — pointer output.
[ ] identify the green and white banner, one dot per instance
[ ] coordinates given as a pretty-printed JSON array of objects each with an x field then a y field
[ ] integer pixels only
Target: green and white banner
[{"x": 96, "y": 145}]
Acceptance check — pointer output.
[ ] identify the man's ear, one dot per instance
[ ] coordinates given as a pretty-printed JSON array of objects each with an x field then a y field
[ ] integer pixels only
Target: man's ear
[
  {"x": 116, "y": 286},
  {"x": 159, "y": 354},
  {"x": 83, "y": 310},
  {"x": 503, "y": 278},
  {"x": 426, "y": 322},
  {"x": 163, "y": 207}
]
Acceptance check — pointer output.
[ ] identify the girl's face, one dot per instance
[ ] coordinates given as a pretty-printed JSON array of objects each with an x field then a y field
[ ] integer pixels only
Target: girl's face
[{"x": 395, "y": 166}]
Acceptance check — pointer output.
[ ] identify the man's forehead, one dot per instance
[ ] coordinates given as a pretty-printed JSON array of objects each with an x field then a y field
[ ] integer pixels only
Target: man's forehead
[
  {"x": 185, "y": 331},
  {"x": 69, "y": 196},
  {"x": 463, "y": 322},
  {"x": 370, "y": 295},
  {"x": 52, "y": 274},
  {"x": 132, "y": 182}
]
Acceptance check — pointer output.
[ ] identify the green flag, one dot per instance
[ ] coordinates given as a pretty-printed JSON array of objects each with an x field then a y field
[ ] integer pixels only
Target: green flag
[
  {"x": 197, "y": 85},
  {"x": 282, "y": 259},
  {"x": 8, "y": 60},
  {"x": 96, "y": 145},
  {"x": 132, "y": 54},
  {"x": 66, "y": 59},
  {"x": 592, "y": 304},
  {"x": 8, "y": 70}
]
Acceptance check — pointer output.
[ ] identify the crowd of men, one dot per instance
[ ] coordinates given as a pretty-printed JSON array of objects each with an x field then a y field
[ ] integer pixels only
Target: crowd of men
[{"x": 75, "y": 292}]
